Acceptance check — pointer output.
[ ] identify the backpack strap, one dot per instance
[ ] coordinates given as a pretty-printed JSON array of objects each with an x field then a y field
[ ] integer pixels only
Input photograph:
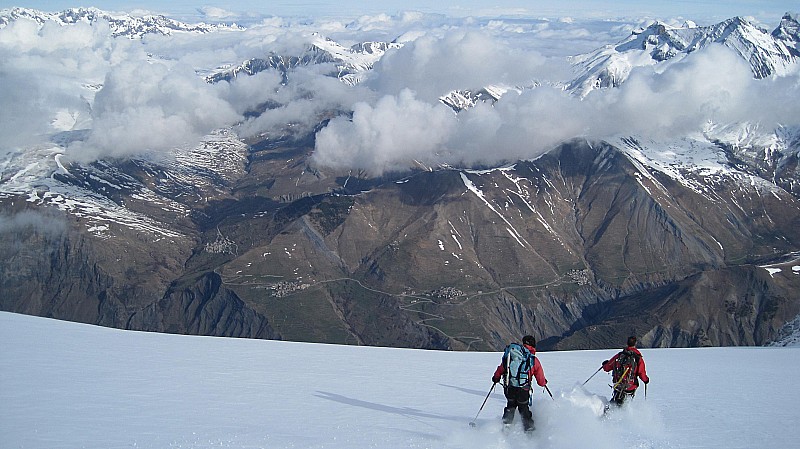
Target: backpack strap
[
  {"x": 625, "y": 373},
  {"x": 526, "y": 366},
  {"x": 635, "y": 364},
  {"x": 532, "y": 359},
  {"x": 507, "y": 359}
]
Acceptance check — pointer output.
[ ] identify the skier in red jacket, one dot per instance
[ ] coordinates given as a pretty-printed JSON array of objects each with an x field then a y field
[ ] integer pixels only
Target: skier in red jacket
[
  {"x": 628, "y": 367},
  {"x": 518, "y": 396}
]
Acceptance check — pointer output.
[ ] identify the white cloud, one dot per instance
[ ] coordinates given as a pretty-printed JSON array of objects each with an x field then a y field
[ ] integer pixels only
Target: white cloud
[
  {"x": 432, "y": 66},
  {"x": 297, "y": 107},
  {"x": 713, "y": 85},
  {"x": 384, "y": 137},
  {"x": 710, "y": 86},
  {"x": 43, "y": 74},
  {"x": 150, "y": 107},
  {"x": 153, "y": 98},
  {"x": 214, "y": 13},
  {"x": 45, "y": 221},
  {"x": 25, "y": 35}
]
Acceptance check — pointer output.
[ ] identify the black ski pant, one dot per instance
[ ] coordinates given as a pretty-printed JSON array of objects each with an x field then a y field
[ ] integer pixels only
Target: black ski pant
[
  {"x": 619, "y": 396},
  {"x": 517, "y": 399}
]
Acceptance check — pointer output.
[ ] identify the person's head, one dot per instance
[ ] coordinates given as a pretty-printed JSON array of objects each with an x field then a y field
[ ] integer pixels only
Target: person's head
[
  {"x": 529, "y": 340},
  {"x": 632, "y": 341}
]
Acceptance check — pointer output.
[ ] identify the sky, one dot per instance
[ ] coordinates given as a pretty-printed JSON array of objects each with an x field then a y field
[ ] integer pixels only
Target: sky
[
  {"x": 143, "y": 98},
  {"x": 69, "y": 385},
  {"x": 701, "y": 10}
]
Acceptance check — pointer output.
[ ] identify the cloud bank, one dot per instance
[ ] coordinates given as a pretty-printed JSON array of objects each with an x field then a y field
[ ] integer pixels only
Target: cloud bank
[
  {"x": 714, "y": 86},
  {"x": 47, "y": 223},
  {"x": 147, "y": 97}
]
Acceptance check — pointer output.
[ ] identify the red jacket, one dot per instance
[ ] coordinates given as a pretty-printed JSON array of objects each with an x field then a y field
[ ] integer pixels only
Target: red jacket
[
  {"x": 639, "y": 372},
  {"x": 536, "y": 371}
]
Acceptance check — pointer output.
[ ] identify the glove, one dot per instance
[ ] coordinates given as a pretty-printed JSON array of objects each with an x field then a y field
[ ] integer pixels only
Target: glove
[
  {"x": 605, "y": 361},
  {"x": 495, "y": 379},
  {"x": 647, "y": 381}
]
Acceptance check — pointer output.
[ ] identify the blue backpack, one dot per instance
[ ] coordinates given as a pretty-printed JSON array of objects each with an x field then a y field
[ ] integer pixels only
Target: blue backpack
[{"x": 518, "y": 362}]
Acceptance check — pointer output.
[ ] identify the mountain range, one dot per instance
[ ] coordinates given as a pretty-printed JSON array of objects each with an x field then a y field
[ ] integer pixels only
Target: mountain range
[
  {"x": 686, "y": 241},
  {"x": 121, "y": 24},
  {"x": 767, "y": 53}
]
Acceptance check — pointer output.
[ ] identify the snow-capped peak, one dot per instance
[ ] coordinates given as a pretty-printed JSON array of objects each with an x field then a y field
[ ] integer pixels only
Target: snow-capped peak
[
  {"x": 121, "y": 24},
  {"x": 351, "y": 62},
  {"x": 767, "y": 53},
  {"x": 789, "y": 29},
  {"x": 359, "y": 57}
]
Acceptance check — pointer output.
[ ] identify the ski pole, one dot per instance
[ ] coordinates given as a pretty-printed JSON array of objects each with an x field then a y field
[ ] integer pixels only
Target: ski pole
[
  {"x": 551, "y": 394},
  {"x": 645, "y": 392},
  {"x": 590, "y": 377},
  {"x": 472, "y": 423}
]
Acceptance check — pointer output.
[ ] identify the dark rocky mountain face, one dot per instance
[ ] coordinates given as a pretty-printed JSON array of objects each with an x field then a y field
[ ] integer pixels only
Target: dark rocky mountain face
[
  {"x": 585, "y": 245},
  {"x": 580, "y": 247}
]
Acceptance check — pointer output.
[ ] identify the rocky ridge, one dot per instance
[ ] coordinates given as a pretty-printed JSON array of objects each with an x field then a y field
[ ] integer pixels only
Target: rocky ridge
[
  {"x": 766, "y": 53},
  {"x": 121, "y": 24},
  {"x": 687, "y": 242}
]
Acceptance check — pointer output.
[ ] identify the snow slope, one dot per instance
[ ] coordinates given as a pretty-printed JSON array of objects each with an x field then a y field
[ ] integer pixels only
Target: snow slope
[
  {"x": 67, "y": 385},
  {"x": 767, "y": 53}
]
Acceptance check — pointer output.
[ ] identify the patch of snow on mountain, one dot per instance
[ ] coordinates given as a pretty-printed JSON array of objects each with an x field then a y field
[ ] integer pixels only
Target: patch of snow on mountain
[
  {"x": 675, "y": 159},
  {"x": 661, "y": 44},
  {"x": 687, "y": 159},
  {"x": 64, "y": 120},
  {"x": 749, "y": 141},
  {"x": 358, "y": 58},
  {"x": 351, "y": 64},
  {"x": 461, "y": 99},
  {"x": 490, "y": 170},
  {"x": 742, "y": 135},
  {"x": 605, "y": 67},
  {"x": 525, "y": 195},
  {"x": 220, "y": 153},
  {"x": 38, "y": 175},
  {"x": 455, "y": 235},
  {"x": 479, "y": 193},
  {"x": 789, "y": 334}
]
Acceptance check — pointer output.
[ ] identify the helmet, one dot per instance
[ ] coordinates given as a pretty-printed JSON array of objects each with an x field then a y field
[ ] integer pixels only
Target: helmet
[
  {"x": 529, "y": 340},
  {"x": 631, "y": 341}
]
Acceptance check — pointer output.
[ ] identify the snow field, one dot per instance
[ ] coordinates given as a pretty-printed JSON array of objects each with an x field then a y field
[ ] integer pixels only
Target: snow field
[{"x": 67, "y": 385}]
